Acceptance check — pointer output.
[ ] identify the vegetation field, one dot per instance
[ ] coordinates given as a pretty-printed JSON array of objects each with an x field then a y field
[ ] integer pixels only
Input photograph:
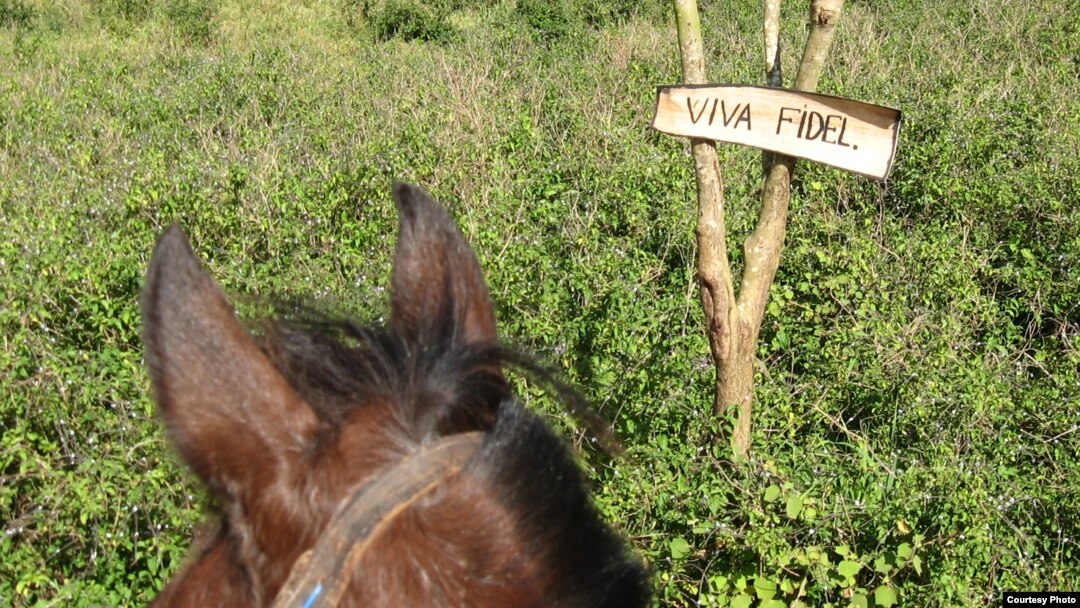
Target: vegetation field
[{"x": 916, "y": 439}]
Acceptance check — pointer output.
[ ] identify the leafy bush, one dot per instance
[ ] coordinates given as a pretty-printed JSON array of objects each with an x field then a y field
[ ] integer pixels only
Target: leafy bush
[
  {"x": 192, "y": 18},
  {"x": 128, "y": 10},
  {"x": 15, "y": 13},
  {"x": 549, "y": 19},
  {"x": 601, "y": 13},
  {"x": 408, "y": 20}
]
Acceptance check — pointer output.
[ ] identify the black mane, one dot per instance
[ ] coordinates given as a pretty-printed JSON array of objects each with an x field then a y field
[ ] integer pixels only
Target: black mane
[{"x": 336, "y": 363}]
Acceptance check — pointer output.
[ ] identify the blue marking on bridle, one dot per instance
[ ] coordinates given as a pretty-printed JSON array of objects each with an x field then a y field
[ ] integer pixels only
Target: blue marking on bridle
[{"x": 315, "y": 593}]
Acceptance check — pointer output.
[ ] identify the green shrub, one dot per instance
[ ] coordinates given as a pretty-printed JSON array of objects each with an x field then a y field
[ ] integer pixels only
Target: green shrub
[
  {"x": 408, "y": 20},
  {"x": 549, "y": 19},
  {"x": 600, "y": 13},
  {"x": 129, "y": 10},
  {"x": 193, "y": 19},
  {"x": 15, "y": 13}
]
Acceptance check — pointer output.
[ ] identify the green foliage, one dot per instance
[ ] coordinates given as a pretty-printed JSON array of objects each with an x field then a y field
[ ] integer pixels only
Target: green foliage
[
  {"x": 408, "y": 20},
  {"x": 128, "y": 10},
  {"x": 193, "y": 19},
  {"x": 555, "y": 20},
  {"x": 914, "y": 437},
  {"x": 15, "y": 13},
  {"x": 551, "y": 21},
  {"x": 601, "y": 13}
]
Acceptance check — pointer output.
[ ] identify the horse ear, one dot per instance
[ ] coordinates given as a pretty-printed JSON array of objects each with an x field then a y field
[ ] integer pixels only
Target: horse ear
[
  {"x": 439, "y": 293},
  {"x": 230, "y": 413}
]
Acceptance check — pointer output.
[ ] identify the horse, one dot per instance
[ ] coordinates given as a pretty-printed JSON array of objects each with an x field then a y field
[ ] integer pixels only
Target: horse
[{"x": 371, "y": 465}]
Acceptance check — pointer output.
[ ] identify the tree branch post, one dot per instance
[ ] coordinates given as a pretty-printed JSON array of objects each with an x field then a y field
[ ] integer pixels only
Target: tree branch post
[
  {"x": 714, "y": 271},
  {"x": 733, "y": 323}
]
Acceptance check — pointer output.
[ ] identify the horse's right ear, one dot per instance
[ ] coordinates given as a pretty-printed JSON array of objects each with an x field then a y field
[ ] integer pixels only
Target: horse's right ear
[
  {"x": 439, "y": 294},
  {"x": 232, "y": 415}
]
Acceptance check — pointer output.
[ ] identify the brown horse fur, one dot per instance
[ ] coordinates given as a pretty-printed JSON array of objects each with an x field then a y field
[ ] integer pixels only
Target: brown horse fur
[{"x": 284, "y": 427}]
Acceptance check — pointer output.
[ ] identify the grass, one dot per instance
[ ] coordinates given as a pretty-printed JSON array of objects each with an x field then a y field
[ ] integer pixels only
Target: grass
[{"x": 915, "y": 432}]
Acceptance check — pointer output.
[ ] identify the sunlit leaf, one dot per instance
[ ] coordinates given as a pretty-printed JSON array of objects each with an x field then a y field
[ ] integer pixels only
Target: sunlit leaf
[
  {"x": 764, "y": 588},
  {"x": 680, "y": 548},
  {"x": 884, "y": 596},
  {"x": 848, "y": 568},
  {"x": 794, "y": 506}
]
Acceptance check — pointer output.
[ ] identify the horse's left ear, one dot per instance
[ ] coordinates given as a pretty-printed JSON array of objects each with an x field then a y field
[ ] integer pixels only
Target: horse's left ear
[
  {"x": 234, "y": 418},
  {"x": 439, "y": 294}
]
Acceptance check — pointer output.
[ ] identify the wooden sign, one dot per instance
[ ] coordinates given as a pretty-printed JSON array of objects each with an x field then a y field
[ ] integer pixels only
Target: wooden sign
[{"x": 843, "y": 133}]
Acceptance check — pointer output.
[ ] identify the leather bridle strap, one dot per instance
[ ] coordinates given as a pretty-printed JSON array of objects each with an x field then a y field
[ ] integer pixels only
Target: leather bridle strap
[{"x": 322, "y": 574}]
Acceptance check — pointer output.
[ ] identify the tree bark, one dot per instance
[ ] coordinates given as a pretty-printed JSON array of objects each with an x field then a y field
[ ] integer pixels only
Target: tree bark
[
  {"x": 762, "y": 249},
  {"x": 714, "y": 271},
  {"x": 824, "y": 15},
  {"x": 773, "y": 75},
  {"x": 733, "y": 323}
]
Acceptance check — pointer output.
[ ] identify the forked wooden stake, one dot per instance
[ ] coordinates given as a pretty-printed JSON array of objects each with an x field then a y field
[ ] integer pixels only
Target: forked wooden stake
[{"x": 734, "y": 321}]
